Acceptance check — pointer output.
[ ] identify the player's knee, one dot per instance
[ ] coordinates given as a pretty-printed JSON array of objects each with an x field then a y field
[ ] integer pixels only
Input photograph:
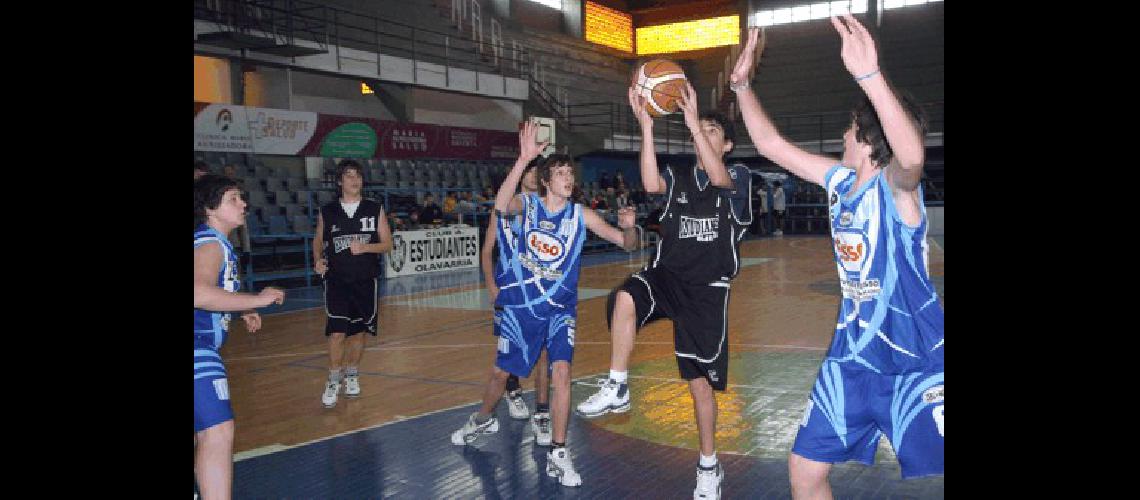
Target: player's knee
[
  {"x": 806, "y": 475},
  {"x": 500, "y": 375},
  {"x": 700, "y": 388},
  {"x": 336, "y": 337},
  {"x": 619, "y": 306},
  {"x": 560, "y": 373}
]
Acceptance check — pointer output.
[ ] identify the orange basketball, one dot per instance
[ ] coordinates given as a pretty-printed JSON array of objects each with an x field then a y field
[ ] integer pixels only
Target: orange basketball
[{"x": 660, "y": 82}]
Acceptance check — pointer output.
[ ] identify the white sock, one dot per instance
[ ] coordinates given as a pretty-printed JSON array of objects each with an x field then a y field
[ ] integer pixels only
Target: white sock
[
  {"x": 351, "y": 371},
  {"x": 708, "y": 461},
  {"x": 619, "y": 377}
]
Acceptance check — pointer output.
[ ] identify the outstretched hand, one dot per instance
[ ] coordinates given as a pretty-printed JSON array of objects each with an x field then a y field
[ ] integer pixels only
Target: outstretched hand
[
  {"x": 746, "y": 61},
  {"x": 528, "y": 149},
  {"x": 858, "y": 52}
]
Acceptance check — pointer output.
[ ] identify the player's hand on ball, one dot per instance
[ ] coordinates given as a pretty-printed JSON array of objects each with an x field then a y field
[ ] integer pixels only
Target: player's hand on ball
[
  {"x": 688, "y": 104},
  {"x": 627, "y": 217},
  {"x": 272, "y": 295},
  {"x": 321, "y": 267},
  {"x": 252, "y": 321},
  {"x": 637, "y": 102},
  {"x": 356, "y": 248}
]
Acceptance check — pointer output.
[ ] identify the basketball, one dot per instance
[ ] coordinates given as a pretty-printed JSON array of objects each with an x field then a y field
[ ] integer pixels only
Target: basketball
[{"x": 660, "y": 82}]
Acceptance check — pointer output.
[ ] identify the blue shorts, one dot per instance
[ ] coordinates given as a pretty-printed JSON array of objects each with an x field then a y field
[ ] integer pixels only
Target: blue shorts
[
  {"x": 211, "y": 389},
  {"x": 851, "y": 406},
  {"x": 523, "y": 336}
]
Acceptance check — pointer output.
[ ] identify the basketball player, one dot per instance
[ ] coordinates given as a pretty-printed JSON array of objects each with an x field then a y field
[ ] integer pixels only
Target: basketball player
[
  {"x": 349, "y": 234},
  {"x": 218, "y": 210},
  {"x": 537, "y": 304},
  {"x": 706, "y": 216},
  {"x": 518, "y": 409},
  {"x": 883, "y": 374}
]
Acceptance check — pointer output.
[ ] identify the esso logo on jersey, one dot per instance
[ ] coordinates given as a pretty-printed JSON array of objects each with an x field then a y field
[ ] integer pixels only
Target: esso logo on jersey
[
  {"x": 546, "y": 247},
  {"x": 851, "y": 248}
]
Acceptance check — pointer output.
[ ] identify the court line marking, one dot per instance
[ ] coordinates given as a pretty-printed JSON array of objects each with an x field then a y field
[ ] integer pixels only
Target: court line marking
[
  {"x": 465, "y": 346},
  {"x": 277, "y": 447},
  {"x": 935, "y": 243}
]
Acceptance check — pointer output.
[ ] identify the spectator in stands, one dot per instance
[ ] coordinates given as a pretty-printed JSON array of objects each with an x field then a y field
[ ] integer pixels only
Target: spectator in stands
[
  {"x": 778, "y": 208},
  {"x": 604, "y": 181},
  {"x": 599, "y": 202},
  {"x": 622, "y": 199},
  {"x": 465, "y": 205},
  {"x": 486, "y": 196},
  {"x": 449, "y": 202},
  {"x": 430, "y": 213},
  {"x": 619, "y": 181},
  {"x": 394, "y": 222},
  {"x": 579, "y": 196},
  {"x": 611, "y": 198},
  {"x": 760, "y": 207},
  {"x": 200, "y": 169},
  {"x": 230, "y": 171},
  {"x": 413, "y": 220}
]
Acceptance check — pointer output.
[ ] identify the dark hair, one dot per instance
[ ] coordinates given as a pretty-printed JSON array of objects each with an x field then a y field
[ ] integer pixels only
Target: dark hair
[
  {"x": 208, "y": 192},
  {"x": 201, "y": 165},
  {"x": 725, "y": 125},
  {"x": 869, "y": 131},
  {"x": 544, "y": 168},
  {"x": 344, "y": 166}
]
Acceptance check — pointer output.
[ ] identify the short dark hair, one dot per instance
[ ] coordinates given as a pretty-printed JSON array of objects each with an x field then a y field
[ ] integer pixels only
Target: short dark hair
[
  {"x": 544, "y": 168},
  {"x": 725, "y": 125},
  {"x": 208, "y": 192},
  {"x": 201, "y": 165},
  {"x": 868, "y": 129},
  {"x": 344, "y": 166}
]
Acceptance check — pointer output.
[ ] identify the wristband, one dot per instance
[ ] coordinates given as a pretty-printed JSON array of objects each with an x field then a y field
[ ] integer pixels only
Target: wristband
[{"x": 866, "y": 76}]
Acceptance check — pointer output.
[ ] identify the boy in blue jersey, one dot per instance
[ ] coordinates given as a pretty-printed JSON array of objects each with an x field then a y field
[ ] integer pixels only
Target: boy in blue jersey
[
  {"x": 218, "y": 210},
  {"x": 540, "y": 424},
  {"x": 540, "y": 237},
  {"x": 883, "y": 374}
]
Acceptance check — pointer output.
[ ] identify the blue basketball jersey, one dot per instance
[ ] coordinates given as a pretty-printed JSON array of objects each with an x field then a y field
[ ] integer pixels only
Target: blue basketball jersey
[
  {"x": 540, "y": 256},
  {"x": 890, "y": 321},
  {"x": 208, "y": 325}
]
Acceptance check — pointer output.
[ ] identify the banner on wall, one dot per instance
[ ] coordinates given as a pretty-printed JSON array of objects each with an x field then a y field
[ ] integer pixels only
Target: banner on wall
[
  {"x": 242, "y": 129},
  {"x": 430, "y": 250},
  {"x": 245, "y": 129}
]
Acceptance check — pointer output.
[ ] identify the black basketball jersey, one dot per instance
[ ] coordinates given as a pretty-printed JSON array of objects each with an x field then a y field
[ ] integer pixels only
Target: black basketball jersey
[
  {"x": 341, "y": 230},
  {"x": 700, "y": 233}
]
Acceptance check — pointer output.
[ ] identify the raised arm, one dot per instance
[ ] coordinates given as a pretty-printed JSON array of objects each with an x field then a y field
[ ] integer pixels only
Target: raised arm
[
  {"x": 904, "y": 135},
  {"x": 505, "y": 200},
  {"x": 651, "y": 178},
  {"x": 767, "y": 139}
]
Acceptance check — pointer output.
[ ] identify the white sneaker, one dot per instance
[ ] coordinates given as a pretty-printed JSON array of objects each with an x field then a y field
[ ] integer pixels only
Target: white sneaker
[
  {"x": 559, "y": 465},
  {"x": 331, "y": 390},
  {"x": 541, "y": 426},
  {"x": 516, "y": 405},
  {"x": 352, "y": 386},
  {"x": 708, "y": 483},
  {"x": 471, "y": 430},
  {"x": 611, "y": 397}
]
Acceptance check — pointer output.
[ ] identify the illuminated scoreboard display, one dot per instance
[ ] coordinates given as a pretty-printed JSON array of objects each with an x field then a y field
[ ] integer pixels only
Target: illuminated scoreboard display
[
  {"x": 609, "y": 27},
  {"x": 688, "y": 35}
]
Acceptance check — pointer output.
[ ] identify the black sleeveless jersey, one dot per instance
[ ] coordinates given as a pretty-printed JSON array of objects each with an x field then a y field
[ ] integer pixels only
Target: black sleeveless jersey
[
  {"x": 701, "y": 229},
  {"x": 341, "y": 230}
]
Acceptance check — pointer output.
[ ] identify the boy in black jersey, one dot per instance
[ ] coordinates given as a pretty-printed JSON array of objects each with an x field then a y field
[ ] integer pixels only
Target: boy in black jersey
[
  {"x": 350, "y": 232},
  {"x": 706, "y": 214}
]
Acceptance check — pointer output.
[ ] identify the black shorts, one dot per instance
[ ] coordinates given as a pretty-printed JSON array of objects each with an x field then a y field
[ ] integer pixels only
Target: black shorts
[
  {"x": 350, "y": 306},
  {"x": 700, "y": 320}
]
